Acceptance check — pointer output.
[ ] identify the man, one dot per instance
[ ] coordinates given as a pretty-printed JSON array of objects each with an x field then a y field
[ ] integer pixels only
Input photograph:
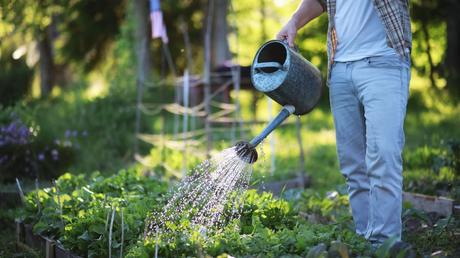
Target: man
[{"x": 369, "y": 43}]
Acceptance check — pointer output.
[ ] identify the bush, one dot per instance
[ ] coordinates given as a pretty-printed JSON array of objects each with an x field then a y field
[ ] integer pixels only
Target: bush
[
  {"x": 434, "y": 170},
  {"x": 24, "y": 154}
]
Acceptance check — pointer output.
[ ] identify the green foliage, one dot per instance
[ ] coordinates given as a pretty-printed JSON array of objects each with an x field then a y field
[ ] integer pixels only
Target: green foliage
[
  {"x": 429, "y": 233},
  {"x": 83, "y": 29},
  {"x": 434, "y": 170},
  {"x": 262, "y": 208},
  {"x": 89, "y": 28},
  {"x": 86, "y": 208},
  {"x": 334, "y": 208}
]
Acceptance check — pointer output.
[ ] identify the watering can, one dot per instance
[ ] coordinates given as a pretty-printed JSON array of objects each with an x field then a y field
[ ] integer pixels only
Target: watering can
[{"x": 289, "y": 79}]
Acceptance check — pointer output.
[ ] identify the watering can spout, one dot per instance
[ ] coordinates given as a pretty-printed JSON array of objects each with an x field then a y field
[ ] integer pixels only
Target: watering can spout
[{"x": 247, "y": 150}]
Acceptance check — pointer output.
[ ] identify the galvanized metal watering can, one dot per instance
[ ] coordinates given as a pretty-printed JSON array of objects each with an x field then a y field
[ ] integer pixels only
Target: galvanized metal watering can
[
  {"x": 285, "y": 76},
  {"x": 289, "y": 79}
]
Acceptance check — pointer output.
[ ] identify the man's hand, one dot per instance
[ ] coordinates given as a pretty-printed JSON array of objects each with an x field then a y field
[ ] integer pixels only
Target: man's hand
[
  {"x": 288, "y": 32},
  {"x": 307, "y": 10}
]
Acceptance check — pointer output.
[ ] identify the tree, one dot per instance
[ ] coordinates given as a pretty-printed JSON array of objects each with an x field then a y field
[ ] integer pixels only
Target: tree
[
  {"x": 452, "y": 56},
  {"x": 84, "y": 28},
  {"x": 220, "y": 49},
  {"x": 433, "y": 15}
]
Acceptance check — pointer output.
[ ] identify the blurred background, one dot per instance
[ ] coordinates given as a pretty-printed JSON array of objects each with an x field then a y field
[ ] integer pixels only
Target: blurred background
[{"x": 90, "y": 86}]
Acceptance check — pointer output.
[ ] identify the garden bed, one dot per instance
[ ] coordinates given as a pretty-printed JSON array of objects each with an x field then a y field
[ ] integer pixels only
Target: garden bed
[
  {"x": 102, "y": 215},
  {"x": 49, "y": 248}
]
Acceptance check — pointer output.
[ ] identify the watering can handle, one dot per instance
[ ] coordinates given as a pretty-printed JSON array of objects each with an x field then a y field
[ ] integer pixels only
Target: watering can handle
[
  {"x": 295, "y": 47},
  {"x": 258, "y": 67}
]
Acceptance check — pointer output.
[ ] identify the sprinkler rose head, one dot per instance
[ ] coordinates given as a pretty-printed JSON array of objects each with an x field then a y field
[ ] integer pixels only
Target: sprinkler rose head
[{"x": 246, "y": 152}]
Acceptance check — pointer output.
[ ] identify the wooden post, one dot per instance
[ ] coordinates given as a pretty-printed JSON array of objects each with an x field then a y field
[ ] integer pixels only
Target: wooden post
[
  {"x": 301, "y": 151},
  {"x": 237, "y": 123},
  {"x": 236, "y": 74},
  {"x": 143, "y": 58},
  {"x": 19, "y": 232},
  {"x": 272, "y": 138},
  {"x": 185, "y": 97},
  {"x": 49, "y": 248},
  {"x": 188, "y": 45},
  {"x": 188, "y": 51},
  {"x": 427, "y": 203},
  {"x": 176, "y": 115},
  {"x": 207, "y": 76}
]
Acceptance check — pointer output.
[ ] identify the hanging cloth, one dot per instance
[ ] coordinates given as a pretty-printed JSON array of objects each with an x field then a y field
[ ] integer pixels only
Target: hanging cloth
[{"x": 156, "y": 19}]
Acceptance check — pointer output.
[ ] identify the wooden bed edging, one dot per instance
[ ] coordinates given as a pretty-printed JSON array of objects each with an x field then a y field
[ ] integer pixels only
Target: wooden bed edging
[
  {"x": 441, "y": 205},
  {"x": 26, "y": 239}
]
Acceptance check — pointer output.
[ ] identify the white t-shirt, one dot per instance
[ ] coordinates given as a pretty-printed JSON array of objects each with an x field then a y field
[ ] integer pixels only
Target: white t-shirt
[{"x": 360, "y": 32}]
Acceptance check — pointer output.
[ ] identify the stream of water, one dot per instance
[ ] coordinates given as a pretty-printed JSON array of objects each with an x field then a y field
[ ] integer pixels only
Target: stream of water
[{"x": 208, "y": 196}]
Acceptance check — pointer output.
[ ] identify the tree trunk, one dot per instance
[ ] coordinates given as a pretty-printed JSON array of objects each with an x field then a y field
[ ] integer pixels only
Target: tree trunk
[
  {"x": 46, "y": 63},
  {"x": 220, "y": 48},
  {"x": 142, "y": 32},
  {"x": 452, "y": 60}
]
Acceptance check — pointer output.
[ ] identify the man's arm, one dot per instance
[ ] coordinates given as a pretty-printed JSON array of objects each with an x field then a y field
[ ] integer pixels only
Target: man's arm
[{"x": 307, "y": 11}]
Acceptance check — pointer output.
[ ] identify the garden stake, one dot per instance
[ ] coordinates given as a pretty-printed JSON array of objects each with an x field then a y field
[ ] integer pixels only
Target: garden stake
[
  {"x": 59, "y": 203},
  {"x": 110, "y": 232},
  {"x": 108, "y": 215},
  {"x": 122, "y": 232},
  {"x": 37, "y": 197},
  {"x": 156, "y": 242},
  {"x": 21, "y": 193}
]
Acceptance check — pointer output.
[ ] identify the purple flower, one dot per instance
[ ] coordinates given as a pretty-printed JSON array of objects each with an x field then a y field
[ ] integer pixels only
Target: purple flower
[
  {"x": 41, "y": 156},
  {"x": 15, "y": 132},
  {"x": 75, "y": 133},
  {"x": 55, "y": 154},
  {"x": 67, "y": 133}
]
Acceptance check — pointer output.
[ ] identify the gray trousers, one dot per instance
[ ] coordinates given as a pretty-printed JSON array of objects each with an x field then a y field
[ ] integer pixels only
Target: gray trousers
[{"x": 368, "y": 100}]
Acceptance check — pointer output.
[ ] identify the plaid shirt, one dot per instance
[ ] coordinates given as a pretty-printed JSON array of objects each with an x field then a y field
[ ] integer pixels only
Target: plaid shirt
[{"x": 396, "y": 20}]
